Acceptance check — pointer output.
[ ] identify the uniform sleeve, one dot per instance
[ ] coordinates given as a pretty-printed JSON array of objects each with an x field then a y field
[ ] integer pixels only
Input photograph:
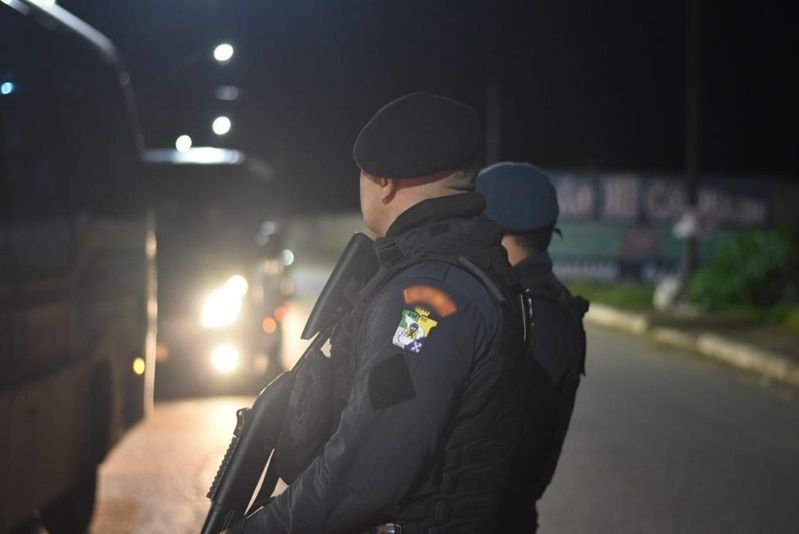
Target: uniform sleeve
[{"x": 418, "y": 343}]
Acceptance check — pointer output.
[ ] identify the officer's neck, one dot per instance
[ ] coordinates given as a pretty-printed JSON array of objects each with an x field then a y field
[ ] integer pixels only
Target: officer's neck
[
  {"x": 516, "y": 253},
  {"x": 404, "y": 205},
  {"x": 433, "y": 209}
]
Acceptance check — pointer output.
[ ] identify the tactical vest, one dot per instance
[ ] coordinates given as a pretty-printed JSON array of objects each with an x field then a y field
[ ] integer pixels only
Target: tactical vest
[
  {"x": 564, "y": 387},
  {"x": 551, "y": 402},
  {"x": 462, "y": 488}
]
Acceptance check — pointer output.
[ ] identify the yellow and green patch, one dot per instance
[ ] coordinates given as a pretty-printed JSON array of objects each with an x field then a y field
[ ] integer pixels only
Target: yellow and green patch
[{"x": 413, "y": 330}]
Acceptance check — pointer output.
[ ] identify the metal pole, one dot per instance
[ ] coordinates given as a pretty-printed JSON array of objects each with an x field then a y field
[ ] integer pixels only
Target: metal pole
[
  {"x": 493, "y": 119},
  {"x": 692, "y": 109}
]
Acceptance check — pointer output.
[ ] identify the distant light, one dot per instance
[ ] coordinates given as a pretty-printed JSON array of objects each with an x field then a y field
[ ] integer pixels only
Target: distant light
[
  {"x": 138, "y": 366},
  {"x": 269, "y": 325},
  {"x": 226, "y": 92},
  {"x": 287, "y": 256},
  {"x": 8, "y": 3},
  {"x": 221, "y": 308},
  {"x": 225, "y": 358},
  {"x": 161, "y": 352},
  {"x": 287, "y": 287},
  {"x": 221, "y": 125},
  {"x": 7, "y": 88},
  {"x": 223, "y": 53},
  {"x": 203, "y": 155},
  {"x": 237, "y": 285},
  {"x": 210, "y": 154},
  {"x": 269, "y": 227},
  {"x": 280, "y": 312},
  {"x": 183, "y": 143}
]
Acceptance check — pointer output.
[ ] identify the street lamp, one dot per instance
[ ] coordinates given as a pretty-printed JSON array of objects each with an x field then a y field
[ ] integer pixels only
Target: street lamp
[
  {"x": 223, "y": 53},
  {"x": 226, "y": 92},
  {"x": 183, "y": 143},
  {"x": 221, "y": 125}
]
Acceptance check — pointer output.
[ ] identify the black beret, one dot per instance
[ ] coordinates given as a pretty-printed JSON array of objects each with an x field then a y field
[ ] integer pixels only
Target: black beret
[{"x": 418, "y": 135}]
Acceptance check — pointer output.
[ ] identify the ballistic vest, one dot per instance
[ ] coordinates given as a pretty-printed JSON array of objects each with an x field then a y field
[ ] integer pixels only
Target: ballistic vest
[
  {"x": 550, "y": 403},
  {"x": 462, "y": 488}
]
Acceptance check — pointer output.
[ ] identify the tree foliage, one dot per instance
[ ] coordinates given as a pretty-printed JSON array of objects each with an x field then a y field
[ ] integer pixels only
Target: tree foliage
[{"x": 752, "y": 270}]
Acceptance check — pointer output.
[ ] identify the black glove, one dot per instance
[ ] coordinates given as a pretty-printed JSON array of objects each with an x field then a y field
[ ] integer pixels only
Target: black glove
[
  {"x": 238, "y": 528},
  {"x": 241, "y": 526}
]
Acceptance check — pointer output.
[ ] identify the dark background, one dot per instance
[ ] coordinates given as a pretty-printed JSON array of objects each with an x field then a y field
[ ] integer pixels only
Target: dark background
[{"x": 583, "y": 84}]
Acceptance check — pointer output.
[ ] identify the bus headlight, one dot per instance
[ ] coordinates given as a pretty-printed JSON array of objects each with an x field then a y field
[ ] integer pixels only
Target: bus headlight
[
  {"x": 222, "y": 307},
  {"x": 225, "y": 358}
]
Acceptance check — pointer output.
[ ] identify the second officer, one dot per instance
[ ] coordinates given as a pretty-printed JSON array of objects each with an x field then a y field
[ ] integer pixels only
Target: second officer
[{"x": 523, "y": 201}]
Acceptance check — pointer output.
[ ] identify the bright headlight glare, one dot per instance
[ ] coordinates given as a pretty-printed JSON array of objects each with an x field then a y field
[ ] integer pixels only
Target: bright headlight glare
[
  {"x": 237, "y": 285},
  {"x": 221, "y": 125},
  {"x": 287, "y": 256},
  {"x": 225, "y": 358},
  {"x": 221, "y": 308}
]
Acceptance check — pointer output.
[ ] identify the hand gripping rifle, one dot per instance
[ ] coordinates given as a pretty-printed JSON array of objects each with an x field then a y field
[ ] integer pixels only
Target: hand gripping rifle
[{"x": 258, "y": 428}]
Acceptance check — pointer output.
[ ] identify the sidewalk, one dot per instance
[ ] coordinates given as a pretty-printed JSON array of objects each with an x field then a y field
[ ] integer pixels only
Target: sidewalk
[{"x": 770, "y": 351}]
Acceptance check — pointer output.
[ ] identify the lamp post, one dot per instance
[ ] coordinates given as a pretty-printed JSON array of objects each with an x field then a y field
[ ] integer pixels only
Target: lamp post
[
  {"x": 223, "y": 53},
  {"x": 692, "y": 132}
]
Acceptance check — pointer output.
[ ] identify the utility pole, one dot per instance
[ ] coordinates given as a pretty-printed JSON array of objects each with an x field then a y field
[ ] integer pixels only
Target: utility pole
[
  {"x": 692, "y": 128},
  {"x": 493, "y": 122}
]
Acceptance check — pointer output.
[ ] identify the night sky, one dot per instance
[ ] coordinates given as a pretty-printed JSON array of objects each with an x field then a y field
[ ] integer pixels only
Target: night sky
[{"x": 583, "y": 84}]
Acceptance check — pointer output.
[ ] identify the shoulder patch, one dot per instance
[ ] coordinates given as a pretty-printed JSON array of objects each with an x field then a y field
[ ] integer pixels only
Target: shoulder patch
[
  {"x": 413, "y": 330},
  {"x": 432, "y": 297}
]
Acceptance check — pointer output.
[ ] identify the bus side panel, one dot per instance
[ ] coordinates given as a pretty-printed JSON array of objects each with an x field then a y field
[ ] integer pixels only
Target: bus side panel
[
  {"x": 74, "y": 390},
  {"x": 39, "y": 414},
  {"x": 73, "y": 263},
  {"x": 5, "y": 460},
  {"x": 113, "y": 315}
]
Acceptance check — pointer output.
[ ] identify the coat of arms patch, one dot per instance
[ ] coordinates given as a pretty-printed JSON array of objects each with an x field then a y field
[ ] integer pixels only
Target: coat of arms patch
[{"x": 414, "y": 329}]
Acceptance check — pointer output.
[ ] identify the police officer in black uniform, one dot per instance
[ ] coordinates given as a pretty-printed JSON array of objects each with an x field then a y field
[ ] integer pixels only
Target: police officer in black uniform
[
  {"x": 523, "y": 201},
  {"x": 430, "y": 371}
]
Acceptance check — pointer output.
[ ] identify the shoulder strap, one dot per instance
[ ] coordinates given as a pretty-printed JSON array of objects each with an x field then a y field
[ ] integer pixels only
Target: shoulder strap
[
  {"x": 523, "y": 297},
  {"x": 575, "y": 307},
  {"x": 546, "y": 290},
  {"x": 462, "y": 256},
  {"x": 455, "y": 257},
  {"x": 464, "y": 264}
]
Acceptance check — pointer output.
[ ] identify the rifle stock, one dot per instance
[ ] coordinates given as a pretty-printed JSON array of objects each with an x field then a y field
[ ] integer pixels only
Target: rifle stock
[{"x": 358, "y": 263}]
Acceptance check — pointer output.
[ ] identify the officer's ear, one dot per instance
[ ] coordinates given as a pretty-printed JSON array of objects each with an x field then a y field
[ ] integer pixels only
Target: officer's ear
[
  {"x": 383, "y": 187},
  {"x": 388, "y": 188}
]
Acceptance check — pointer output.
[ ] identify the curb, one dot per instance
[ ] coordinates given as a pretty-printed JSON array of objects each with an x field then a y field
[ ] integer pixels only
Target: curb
[
  {"x": 635, "y": 323},
  {"x": 735, "y": 353},
  {"x": 674, "y": 337},
  {"x": 749, "y": 357}
]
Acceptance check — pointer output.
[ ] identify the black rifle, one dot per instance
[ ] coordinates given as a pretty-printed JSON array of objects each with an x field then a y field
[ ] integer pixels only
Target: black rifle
[{"x": 258, "y": 428}]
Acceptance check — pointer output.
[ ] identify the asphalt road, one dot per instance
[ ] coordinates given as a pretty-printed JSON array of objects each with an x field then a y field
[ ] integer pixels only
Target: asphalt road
[
  {"x": 661, "y": 441},
  {"x": 665, "y": 441}
]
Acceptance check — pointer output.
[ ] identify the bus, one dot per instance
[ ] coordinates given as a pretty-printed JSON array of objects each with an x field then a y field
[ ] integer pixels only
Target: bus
[
  {"x": 78, "y": 271},
  {"x": 77, "y": 265},
  {"x": 224, "y": 281}
]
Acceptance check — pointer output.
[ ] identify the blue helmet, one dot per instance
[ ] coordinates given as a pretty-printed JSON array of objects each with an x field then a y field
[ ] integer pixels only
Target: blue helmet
[{"x": 518, "y": 196}]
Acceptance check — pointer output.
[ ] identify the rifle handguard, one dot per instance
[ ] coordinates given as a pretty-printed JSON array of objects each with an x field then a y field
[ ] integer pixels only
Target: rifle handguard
[
  {"x": 255, "y": 436},
  {"x": 241, "y": 417},
  {"x": 258, "y": 428}
]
